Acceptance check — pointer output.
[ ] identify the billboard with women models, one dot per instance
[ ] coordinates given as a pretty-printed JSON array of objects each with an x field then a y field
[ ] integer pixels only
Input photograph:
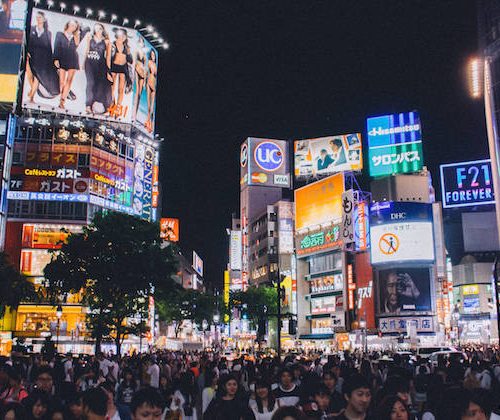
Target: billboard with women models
[{"x": 88, "y": 68}]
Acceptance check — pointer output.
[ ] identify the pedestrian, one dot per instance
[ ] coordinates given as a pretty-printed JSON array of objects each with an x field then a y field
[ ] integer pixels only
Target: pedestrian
[
  {"x": 13, "y": 411},
  {"x": 95, "y": 404},
  {"x": 264, "y": 405},
  {"x": 209, "y": 390},
  {"x": 229, "y": 403},
  {"x": 358, "y": 395},
  {"x": 392, "y": 408},
  {"x": 184, "y": 397},
  {"x": 287, "y": 392},
  {"x": 147, "y": 404},
  {"x": 37, "y": 405}
]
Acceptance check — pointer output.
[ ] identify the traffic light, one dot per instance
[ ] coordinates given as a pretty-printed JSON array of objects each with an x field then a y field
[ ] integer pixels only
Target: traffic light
[
  {"x": 292, "y": 326},
  {"x": 261, "y": 328}
]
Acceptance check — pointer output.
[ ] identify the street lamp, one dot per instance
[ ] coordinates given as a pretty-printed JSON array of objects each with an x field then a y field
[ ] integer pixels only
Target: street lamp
[
  {"x": 59, "y": 312},
  {"x": 455, "y": 315},
  {"x": 216, "y": 331}
]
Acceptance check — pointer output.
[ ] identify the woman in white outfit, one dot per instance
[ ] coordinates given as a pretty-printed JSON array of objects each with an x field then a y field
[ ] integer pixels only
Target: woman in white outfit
[{"x": 264, "y": 405}]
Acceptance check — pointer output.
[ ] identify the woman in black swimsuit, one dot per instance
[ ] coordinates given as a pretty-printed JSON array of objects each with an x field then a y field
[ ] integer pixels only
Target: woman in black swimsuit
[
  {"x": 140, "y": 74},
  {"x": 97, "y": 70},
  {"x": 66, "y": 57},
  {"x": 151, "y": 89},
  {"x": 40, "y": 71},
  {"x": 120, "y": 60}
]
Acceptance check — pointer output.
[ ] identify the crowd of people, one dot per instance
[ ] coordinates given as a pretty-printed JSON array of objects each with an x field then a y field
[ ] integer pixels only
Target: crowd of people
[{"x": 207, "y": 386}]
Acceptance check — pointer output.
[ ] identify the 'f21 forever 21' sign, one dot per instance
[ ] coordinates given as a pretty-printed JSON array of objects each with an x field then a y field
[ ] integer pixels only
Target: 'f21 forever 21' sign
[{"x": 467, "y": 184}]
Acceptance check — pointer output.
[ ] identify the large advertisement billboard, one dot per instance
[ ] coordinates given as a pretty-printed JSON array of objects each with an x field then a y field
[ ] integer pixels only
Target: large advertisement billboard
[
  {"x": 264, "y": 162},
  {"x": 467, "y": 184},
  {"x": 83, "y": 67},
  {"x": 394, "y": 144},
  {"x": 319, "y": 203},
  {"x": 404, "y": 290},
  {"x": 169, "y": 229},
  {"x": 12, "y": 22},
  {"x": 327, "y": 155},
  {"x": 401, "y": 232}
]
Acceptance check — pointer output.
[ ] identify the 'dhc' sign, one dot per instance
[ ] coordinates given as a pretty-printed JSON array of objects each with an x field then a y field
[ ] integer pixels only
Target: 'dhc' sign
[{"x": 467, "y": 184}]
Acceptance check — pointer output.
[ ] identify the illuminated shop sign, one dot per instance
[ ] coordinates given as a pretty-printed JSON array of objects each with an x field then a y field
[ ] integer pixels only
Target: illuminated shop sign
[
  {"x": 323, "y": 305},
  {"x": 330, "y": 283},
  {"x": 324, "y": 239},
  {"x": 467, "y": 184},
  {"x": 399, "y": 324},
  {"x": 40, "y": 196},
  {"x": 61, "y": 173},
  {"x": 268, "y": 156}
]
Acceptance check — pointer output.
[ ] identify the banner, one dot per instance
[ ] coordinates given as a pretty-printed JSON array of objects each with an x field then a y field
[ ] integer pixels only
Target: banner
[
  {"x": 404, "y": 290},
  {"x": 83, "y": 67},
  {"x": 347, "y": 225},
  {"x": 327, "y": 156}
]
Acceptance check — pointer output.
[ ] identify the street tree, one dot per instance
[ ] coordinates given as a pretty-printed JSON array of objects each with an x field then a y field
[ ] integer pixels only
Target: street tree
[
  {"x": 186, "y": 304},
  {"x": 116, "y": 263},
  {"x": 14, "y": 287}
]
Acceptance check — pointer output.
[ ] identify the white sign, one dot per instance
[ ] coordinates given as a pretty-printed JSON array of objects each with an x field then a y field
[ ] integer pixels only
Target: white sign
[
  {"x": 400, "y": 324},
  {"x": 197, "y": 264},
  {"x": 347, "y": 226},
  {"x": 235, "y": 250},
  {"x": 338, "y": 320},
  {"x": 402, "y": 242},
  {"x": 283, "y": 179}
]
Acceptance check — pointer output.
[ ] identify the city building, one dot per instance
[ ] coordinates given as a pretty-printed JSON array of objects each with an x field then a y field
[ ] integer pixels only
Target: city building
[{"x": 87, "y": 149}]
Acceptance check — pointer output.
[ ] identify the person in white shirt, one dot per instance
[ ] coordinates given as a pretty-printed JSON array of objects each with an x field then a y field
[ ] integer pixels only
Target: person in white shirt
[
  {"x": 153, "y": 372},
  {"x": 68, "y": 368},
  {"x": 265, "y": 405},
  {"x": 209, "y": 390}
]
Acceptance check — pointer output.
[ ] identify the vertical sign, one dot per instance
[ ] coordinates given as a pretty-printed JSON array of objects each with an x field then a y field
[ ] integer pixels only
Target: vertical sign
[
  {"x": 235, "y": 250},
  {"x": 351, "y": 287},
  {"x": 347, "y": 226}
]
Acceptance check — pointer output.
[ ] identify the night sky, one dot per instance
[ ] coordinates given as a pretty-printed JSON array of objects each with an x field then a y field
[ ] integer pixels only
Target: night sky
[{"x": 297, "y": 69}]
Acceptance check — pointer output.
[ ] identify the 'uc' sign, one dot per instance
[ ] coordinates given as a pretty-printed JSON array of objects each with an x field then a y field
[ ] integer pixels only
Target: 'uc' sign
[{"x": 268, "y": 156}]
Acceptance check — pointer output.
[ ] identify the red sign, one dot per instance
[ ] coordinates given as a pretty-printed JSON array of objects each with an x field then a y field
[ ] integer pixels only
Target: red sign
[
  {"x": 169, "y": 229},
  {"x": 351, "y": 287},
  {"x": 365, "y": 303}
]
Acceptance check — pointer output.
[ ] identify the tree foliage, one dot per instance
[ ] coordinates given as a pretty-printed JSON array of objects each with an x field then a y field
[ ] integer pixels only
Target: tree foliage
[
  {"x": 187, "y": 304},
  {"x": 255, "y": 303},
  {"x": 117, "y": 262},
  {"x": 14, "y": 287}
]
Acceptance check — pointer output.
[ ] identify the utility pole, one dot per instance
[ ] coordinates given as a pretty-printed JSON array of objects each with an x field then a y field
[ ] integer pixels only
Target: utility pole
[{"x": 495, "y": 279}]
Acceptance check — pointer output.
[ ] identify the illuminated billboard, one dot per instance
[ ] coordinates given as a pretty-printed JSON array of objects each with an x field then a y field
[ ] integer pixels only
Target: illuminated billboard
[
  {"x": 319, "y": 203},
  {"x": 264, "y": 162},
  {"x": 197, "y": 264},
  {"x": 12, "y": 23},
  {"x": 401, "y": 232},
  {"x": 83, "y": 67},
  {"x": 235, "y": 250},
  {"x": 467, "y": 184},
  {"x": 169, "y": 229},
  {"x": 394, "y": 144},
  {"x": 404, "y": 290},
  {"x": 47, "y": 236},
  {"x": 327, "y": 155}
]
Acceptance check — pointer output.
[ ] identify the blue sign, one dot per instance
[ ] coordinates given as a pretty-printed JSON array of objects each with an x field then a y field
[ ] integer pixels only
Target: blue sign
[
  {"x": 394, "y": 144},
  {"x": 268, "y": 156},
  {"x": 467, "y": 184},
  {"x": 396, "y": 212},
  {"x": 42, "y": 196}
]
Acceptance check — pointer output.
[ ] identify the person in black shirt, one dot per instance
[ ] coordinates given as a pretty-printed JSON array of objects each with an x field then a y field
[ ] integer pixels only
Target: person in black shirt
[
  {"x": 229, "y": 404},
  {"x": 66, "y": 57},
  {"x": 337, "y": 402}
]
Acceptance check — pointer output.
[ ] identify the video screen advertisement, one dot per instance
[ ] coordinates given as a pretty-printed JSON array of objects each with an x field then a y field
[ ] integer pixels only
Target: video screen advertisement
[
  {"x": 327, "y": 155},
  {"x": 466, "y": 184},
  {"x": 401, "y": 232},
  {"x": 394, "y": 144},
  {"x": 318, "y": 213},
  {"x": 83, "y": 67},
  {"x": 264, "y": 162},
  {"x": 404, "y": 289},
  {"x": 12, "y": 22}
]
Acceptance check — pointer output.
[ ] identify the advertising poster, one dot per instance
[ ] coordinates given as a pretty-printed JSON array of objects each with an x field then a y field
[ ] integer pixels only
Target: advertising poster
[
  {"x": 197, "y": 264},
  {"x": 394, "y": 144},
  {"x": 404, "y": 290},
  {"x": 169, "y": 229},
  {"x": 327, "y": 156},
  {"x": 401, "y": 232},
  {"x": 235, "y": 250},
  {"x": 319, "y": 203},
  {"x": 467, "y": 184},
  {"x": 348, "y": 205},
  {"x": 285, "y": 227},
  {"x": 83, "y": 67},
  {"x": 264, "y": 162},
  {"x": 12, "y": 22},
  {"x": 365, "y": 293}
]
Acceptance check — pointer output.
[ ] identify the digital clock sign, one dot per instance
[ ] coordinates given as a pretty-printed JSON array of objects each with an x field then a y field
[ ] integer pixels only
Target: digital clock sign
[{"x": 467, "y": 184}]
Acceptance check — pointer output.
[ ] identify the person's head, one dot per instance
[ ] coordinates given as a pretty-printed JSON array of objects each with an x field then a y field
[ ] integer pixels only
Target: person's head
[
  {"x": 478, "y": 406},
  {"x": 392, "y": 408},
  {"x": 210, "y": 378},
  {"x": 228, "y": 386},
  {"x": 75, "y": 406},
  {"x": 147, "y": 404},
  {"x": 357, "y": 393},
  {"x": 336, "y": 145},
  {"x": 322, "y": 397},
  {"x": 120, "y": 35},
  {"x": 41, "y": 20},
  {"x": 13, "y": 411},
  {"x": 56, "y": 413},
  {"x": 109, "y": 389},
  {"x": 128, "y": 375},
  {"x": 286, "y": 377},
  {"x": 71, "y": 26},
  {"x": 186, "y": 382},
  {"x": 152, "y": 56},
  {"x": 36, "y": 404},
  {"x": 14, "y": 377},
  {"x": 95, "y": 404},
  {"x": 289, "y": 413},
  {"x": 391, "y": 284},
  {"x": 100, "y": 31},
  {"x": 323, "y": 153},
  {"x": 329, "y": 380},
  {"x": 44, "y": 379},
  {"x": 399, "y": 386}
]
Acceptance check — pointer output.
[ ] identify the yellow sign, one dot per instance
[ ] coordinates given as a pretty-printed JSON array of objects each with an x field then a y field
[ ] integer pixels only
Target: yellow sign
[
  {"x": 227, "y": 283},
  {"x": 470, "y": 289}
]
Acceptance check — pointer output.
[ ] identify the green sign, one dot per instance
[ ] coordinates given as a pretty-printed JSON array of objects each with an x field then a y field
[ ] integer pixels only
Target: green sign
[{"x": 318, "y": 241}]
